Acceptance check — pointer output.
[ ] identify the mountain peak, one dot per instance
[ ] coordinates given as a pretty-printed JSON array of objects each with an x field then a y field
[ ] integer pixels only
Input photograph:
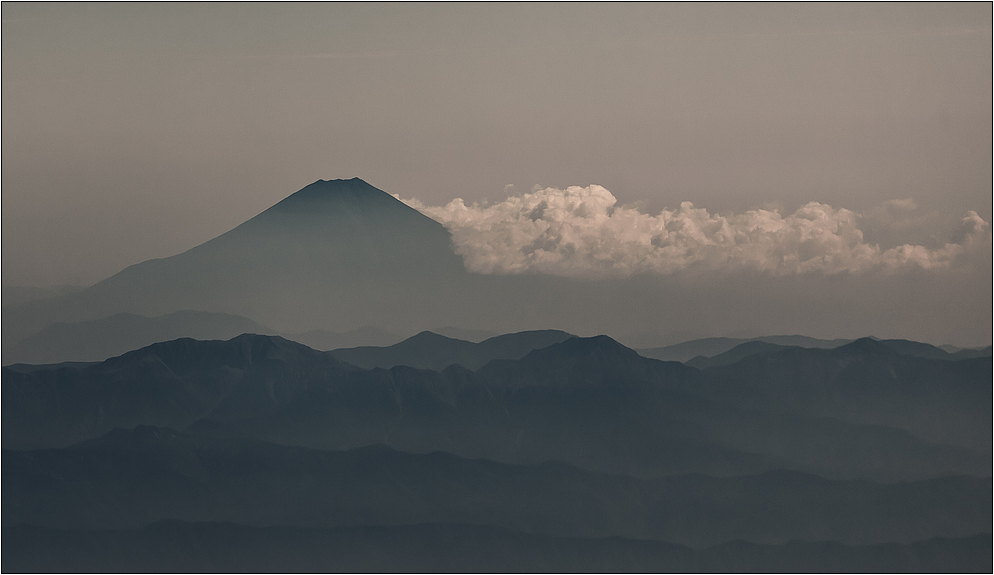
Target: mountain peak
[
  {"x": 342, "y": 183},
  {"x": 585, "y": 362},
  {"x": 347, "y": 212},
  {"x": 596, "y": 346},
  {"x": 336, "y": 195},
  {"x": 185, "y": 354},
  {"x": 865, "y": 345},
  {"x": 333, "y": 231},
  {"x": 337, "y": 252}
]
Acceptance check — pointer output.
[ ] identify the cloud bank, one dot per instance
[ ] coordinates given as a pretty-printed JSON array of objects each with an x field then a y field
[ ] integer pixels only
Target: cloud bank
[{"x": 582, "y": 232}]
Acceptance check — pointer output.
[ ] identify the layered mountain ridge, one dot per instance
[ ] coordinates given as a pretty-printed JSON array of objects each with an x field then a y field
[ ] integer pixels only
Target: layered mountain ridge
[
  {"x": 205, "y": 437},
  {"x": 341, "y": 255},
  {"x": 589, "y": 401},
  {"x": 579, "y": 440}
]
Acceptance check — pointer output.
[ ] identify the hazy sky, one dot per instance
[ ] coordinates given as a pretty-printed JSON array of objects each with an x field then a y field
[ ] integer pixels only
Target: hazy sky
[{"x": 133, "y": 131}]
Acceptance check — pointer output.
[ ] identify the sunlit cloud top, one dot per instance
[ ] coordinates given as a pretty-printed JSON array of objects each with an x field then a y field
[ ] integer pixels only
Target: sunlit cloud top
[{"x": 582, "y": 232}]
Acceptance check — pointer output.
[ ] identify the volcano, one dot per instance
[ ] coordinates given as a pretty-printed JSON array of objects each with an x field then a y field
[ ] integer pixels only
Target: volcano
[{"x": 335, "y": 253}]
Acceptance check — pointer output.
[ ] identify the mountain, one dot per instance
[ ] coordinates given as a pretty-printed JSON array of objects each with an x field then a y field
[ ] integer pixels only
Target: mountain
[
  {"x": 590, "y": 402},
  {"x": 735, "y": 354},
  {"x": 33, "y": 367},
  {"x": 803, "y": 341},
  {"x": 699, "y": 350},
  {"x": 341, "y": 254},
  {"x": 973, "y": 353},
  {"x": 966, "y": 353},
  {"x": 128, "y": 479},
  {"x": 428, "y": 350},
  {"x": 712, "y": 346},
  {"x": 867, "y": 382},
  {"x": 260, "y": 453},
  {"x": 170, "y": 384},
  {"x": 327, "y": 340},
  {"x": 473, "y": 335},
  {"x": 184, "y": 547},
  {"x": 917, "y": 349},
  {"x": 336, "y": 255},
  {"x": 97, "y": 340},
  {"x": 589, "y": 362},
  {"x": 333, "y": 241},
  {"x": 425, "y": 350}
]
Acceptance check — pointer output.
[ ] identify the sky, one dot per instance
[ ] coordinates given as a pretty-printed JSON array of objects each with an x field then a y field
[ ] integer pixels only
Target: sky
[{"x": 769, "y": 134}]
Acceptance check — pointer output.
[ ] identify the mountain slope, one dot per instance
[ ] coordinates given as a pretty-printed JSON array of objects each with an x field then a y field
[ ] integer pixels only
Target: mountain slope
[
  {"x": 128, "y": 479},
  {"x": 182, "y": 547},
  {"x": 428, "y": 350},
  {"x": 171, "y": 384},
  {"x": 918, "y": 349},
  {"x": 100, "y": 339},
  {"x": 338, "y": 240},
  {"x": 712, "y": 346},
  {"x": 325, "y": 340},
  {"x": 735, "y": 354},
  {"x": 588, "y": 401},
  {"x": 867, "y": 382}
]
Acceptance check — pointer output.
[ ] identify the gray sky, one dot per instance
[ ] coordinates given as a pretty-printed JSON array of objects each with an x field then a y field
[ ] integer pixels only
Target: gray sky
[{"x": 133, "y": 131}]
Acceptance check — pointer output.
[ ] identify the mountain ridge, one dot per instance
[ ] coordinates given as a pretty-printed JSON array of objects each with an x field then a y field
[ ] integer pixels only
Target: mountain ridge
[
  {"x": 429, "y": 350},
  {"x": 375, "y": 484},
  {"x": 443, "y": 548},
  {"x": 97, "y": 340},
  {"x": 590, "y": 401}
]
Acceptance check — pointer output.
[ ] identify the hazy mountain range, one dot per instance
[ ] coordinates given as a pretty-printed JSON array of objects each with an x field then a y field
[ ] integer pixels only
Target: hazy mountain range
[
  {"x": 587, "y": 401},
  {"x": 428, "y": 350},
  {"x": 178, "y": 546},
  {"x": 341, "y": 255},
  {"x": 96, "y": 340},
  {"x": 233, "y": 407},
  {"x": 580, "y": 439}
]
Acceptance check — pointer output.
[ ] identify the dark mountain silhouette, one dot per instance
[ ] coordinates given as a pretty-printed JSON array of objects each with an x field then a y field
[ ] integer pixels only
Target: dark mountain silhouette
[
  {"x": 33, "y": 367},
  {"x": 260, "y": 452},
  {"x": 108, "y": 337},
  {"x": 867, "y": 382},
  {"x": 712, "y": 346},
  {"x": 768, "y": 344},
  {"x": 128, "y": 479},
  {"x": 325, "y": 340},
  {"x": 428, "y": 350},
  {"x": 181, "y": 547},
  {"x": 916, "y": 349},
  {"x": 684, "y": 351},
  {"x": 425, "y": 350},
  {"x": 966, "y": 352},
  {"x": 532, "y": 450},
  {"x": 588, "y": 362},
  {"x": 587, "y": 401},
  {"x": 734, "y": 355},
  {"x": 473, "y": 335},
  {"x": 973, "y": 353},
  {"x": 170, "y": 384}
]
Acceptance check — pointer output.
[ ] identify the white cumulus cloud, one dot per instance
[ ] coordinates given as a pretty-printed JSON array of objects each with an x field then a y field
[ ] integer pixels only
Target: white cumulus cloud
[{"x": 582, "y": 232}]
